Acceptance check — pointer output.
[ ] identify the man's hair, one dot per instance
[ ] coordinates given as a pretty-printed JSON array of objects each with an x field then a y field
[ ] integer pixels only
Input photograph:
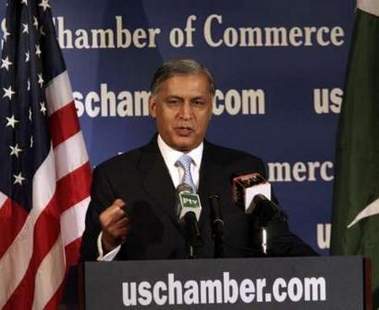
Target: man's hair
[{"x": 177, "y": 67}]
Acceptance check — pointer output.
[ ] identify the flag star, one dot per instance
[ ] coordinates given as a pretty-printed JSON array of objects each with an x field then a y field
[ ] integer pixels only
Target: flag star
[
  {"x": 35, "y": 23},
  {"x": 30, "y": 114},
  {"x": 24, "y": 2},
  {"x": 5, "y": 63},
  {"x": 15, "y": 150},
  {"x": 43, "y": 108},
  {"x": 18, "y": 178},
  {"x": 38, "y": 50},
  {"x": 11, "y": 121},
  {"x": 31, "y": 141},
  {"x": 45, "y": 4},
  {"x": 27, "y": 56},
  {"x": 40, "y": 80},
  {"x": 25, "y": 28},
  {"x": 8, "y": 92},
  {"x": 28, "y": 85}
]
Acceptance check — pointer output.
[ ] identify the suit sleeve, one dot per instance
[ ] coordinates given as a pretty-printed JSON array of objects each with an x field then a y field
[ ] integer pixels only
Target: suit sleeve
[{"x": 102, "y": 197}]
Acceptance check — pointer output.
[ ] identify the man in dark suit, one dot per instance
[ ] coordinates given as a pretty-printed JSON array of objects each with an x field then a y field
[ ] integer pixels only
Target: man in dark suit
[{"x": 133, "y": 209}]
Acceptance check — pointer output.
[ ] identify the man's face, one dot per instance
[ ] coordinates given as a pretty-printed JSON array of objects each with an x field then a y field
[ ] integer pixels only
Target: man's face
[{"x": 182, "y": 107}]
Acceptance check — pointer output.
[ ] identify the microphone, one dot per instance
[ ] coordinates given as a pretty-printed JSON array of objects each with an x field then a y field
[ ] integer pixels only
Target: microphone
[
  {"x": 189, "y": 210},
  {"x": 253, "y": 193}
]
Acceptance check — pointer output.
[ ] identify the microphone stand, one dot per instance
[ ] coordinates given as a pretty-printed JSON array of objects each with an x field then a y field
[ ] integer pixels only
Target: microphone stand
[
  {"x": 193, "y": 235},
  {"x": 190, "y": 251},
  {"x": 219, "y": 248},
  {"x": 263, "y": 240},
  {"x": 217, "y": 226},
  {"x": 266, "y": 211}
]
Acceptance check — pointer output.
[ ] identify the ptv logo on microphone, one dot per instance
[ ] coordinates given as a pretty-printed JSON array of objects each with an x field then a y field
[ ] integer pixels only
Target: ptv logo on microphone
[{"x": 189, "y": 200}]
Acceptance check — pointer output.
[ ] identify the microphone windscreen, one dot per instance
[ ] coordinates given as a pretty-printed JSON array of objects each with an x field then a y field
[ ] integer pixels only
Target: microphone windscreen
[
  {"x": 246, "y": 187},
  {"x": 183, "y": 187}
]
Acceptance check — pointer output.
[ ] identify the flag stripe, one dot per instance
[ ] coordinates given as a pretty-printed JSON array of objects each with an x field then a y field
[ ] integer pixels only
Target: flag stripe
[
  {"x": 68, "y": 197},
  {"x": 72, "y": 253},
  {"x": 12, "y": 219},
  {"x": 3, "y": 199},
  {"x": 63, "y": 124},
  {"x": 72, "y": 256},
  {"x": 55, "y": 300},
  {"x": 53, "y": 263},
  {"x": 58, "y": 92},
  {"x": 72, "y": 222},
  {"x": 70, "y": 156}
]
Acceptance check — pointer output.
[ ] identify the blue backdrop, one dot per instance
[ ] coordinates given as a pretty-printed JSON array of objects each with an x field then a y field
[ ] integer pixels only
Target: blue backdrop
[{"x": 279, "y": 69}]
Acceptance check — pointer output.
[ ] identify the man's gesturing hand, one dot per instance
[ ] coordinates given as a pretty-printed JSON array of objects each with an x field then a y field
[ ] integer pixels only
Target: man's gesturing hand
[{"x": 115, "y": 225}]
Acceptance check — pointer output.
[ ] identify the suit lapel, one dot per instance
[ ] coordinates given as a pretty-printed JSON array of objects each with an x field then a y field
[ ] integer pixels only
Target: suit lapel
[
  {"x": 157, "y": 183},
  {"x": 213, "y": 180}
]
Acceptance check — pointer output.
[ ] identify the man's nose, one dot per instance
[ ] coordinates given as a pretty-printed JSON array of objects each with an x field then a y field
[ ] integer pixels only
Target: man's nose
[{"x": 185, "y": 110}]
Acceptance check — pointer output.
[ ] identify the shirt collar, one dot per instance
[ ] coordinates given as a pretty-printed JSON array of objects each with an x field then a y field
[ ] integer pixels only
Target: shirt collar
[{"x": 171, "y": 155}]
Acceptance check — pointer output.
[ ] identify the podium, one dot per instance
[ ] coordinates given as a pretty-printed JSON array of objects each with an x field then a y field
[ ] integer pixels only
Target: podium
[{"x": 242, "y": 283}]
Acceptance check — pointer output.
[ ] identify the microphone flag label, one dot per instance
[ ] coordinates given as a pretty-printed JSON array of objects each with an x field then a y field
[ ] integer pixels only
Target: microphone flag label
[{"x": 189, "y": 202}]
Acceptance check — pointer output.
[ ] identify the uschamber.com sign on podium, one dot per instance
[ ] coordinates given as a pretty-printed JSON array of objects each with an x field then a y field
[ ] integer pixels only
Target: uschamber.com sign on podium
[{"x": 254, "y": 283}]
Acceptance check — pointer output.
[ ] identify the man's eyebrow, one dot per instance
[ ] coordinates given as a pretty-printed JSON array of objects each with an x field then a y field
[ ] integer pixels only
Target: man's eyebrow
[
  {"x": 181, "y": 98},
  {"x": 173, "y": 97},
  {"x": 198, "y": 97}
]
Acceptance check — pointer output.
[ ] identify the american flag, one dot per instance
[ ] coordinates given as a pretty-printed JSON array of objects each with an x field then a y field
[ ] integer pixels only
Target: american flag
[{"x": 44, "y": 168}]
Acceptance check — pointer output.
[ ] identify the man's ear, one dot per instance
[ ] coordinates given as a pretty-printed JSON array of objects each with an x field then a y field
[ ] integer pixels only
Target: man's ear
[{"x": 152, "y": 106}]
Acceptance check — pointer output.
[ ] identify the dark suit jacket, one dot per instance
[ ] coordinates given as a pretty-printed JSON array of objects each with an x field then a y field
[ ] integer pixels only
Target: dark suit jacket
[{"x": 141, "y": 178}]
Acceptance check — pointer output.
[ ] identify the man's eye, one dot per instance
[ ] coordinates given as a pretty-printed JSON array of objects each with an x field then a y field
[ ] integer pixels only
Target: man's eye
[
  {"x": 198, "y": 102},
  {"x": 173, "y": 101}
]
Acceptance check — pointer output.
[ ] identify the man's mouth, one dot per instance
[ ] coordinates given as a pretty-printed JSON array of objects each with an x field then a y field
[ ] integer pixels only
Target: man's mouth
[{"x": 183, "y": 131}]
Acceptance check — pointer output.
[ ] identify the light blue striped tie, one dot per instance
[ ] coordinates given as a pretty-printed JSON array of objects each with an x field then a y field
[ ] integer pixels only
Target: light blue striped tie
[{"x": 185, "y": 162}]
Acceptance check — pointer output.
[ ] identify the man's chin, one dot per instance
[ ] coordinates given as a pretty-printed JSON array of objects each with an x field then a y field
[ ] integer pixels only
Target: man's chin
[
  {"x": 183, "y": 148},
  {"x": 184, "y": 144}
]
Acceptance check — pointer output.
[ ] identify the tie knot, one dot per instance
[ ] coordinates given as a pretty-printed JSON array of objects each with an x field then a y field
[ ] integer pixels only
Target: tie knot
[{"x": 185, "y": 162}]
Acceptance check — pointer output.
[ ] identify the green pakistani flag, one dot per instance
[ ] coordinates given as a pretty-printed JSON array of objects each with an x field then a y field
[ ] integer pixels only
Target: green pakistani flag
[{"x": 355, "y": 217}]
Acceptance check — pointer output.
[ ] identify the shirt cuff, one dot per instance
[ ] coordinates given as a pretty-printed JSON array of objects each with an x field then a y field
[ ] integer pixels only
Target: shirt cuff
[{"x": 110, "y": 255}]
